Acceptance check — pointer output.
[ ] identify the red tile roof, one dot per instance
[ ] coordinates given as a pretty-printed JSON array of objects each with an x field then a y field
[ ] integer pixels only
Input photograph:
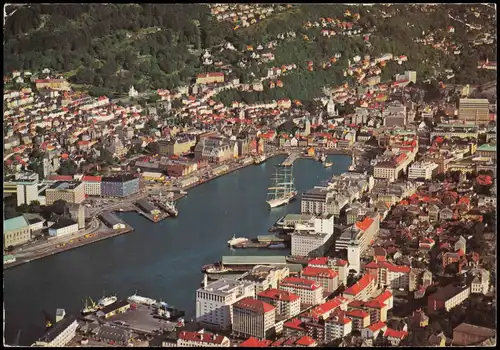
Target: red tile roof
[
  {"x": 201, "y": 337},
  {"x": 376, "y": 304},
  {"x": 357, "y": 313},
  {"x": 92, "y": 178},
  {"x": 305, "y": 341},
  {"x": 255, "y": 343},
  {"x": 300, "y": 283},
  {"x": 295, "y": 324},
  {"x": 389, "y": 332},
  {"x": 319, "y": 261},
  {"x": 277, "y": 294},
  {"x": 356, "y": 304},
  {"x": 255, "y": 305},
  {"x": 309, "y": 271},
  {"x": 376, "y": 326},
  {"x": 383, "y": 297},
  {"x": 339, "y": 317},
  {"x": 365, "y": 224},
  {"x": 61, "y": 177},
  {"x": 360, "y": 285},
  {"x": 326, "y": 307}
]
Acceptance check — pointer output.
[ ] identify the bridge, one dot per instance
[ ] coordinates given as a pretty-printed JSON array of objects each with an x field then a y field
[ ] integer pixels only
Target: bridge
[{"x": 291, "y": 158}]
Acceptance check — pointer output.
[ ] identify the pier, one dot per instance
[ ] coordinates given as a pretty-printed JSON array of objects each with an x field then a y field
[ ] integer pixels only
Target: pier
[{"x": 291, "y": 159}]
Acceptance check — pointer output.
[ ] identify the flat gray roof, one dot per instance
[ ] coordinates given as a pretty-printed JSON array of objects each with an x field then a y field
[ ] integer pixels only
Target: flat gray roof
[{"x": 253, "y": 260}]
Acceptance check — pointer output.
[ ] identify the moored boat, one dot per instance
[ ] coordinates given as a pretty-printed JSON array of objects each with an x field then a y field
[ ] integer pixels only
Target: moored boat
[
  {"x": 297, "y": 259},
  {"x": 277, "y": 246},
  {"x": 328, "y": 164}
]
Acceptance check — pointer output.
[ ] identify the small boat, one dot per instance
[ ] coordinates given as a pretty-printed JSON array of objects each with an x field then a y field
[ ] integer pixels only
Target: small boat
[
  {"x": 277, "y": 246},
  {"x": 328, "y": 164},
  {"x": 89, "y": 307},
  {"x": 218, "y": 270},
  {"x": 297, "y": 259},
  {"x": 105, "y": 301},
  {"x": 235, "y": 241}
]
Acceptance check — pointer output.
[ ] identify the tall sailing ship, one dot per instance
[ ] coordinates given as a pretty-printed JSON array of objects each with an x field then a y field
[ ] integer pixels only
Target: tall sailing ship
[{"x": 282, "y": 189}]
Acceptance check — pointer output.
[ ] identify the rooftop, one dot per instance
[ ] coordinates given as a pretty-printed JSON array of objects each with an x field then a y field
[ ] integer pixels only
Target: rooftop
[
  {"x": 475, "y": 330},
  {"x": 278, "y": 295},
  {"x": 14, "y": 224},
  {"x": 201, "y": 337},
  {"x": 253, "y": 260},
  {"x": 255, "y": 305},
  {"x": 360, "y": 285},
  {"x": 65, "y": 185}
]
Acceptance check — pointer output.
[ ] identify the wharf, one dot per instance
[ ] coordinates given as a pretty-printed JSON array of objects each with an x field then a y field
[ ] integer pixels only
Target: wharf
[
  {"x": 56, "y": 250},
  {"x": 253, "y": 260},
  {"x": 291, "y": 159}
]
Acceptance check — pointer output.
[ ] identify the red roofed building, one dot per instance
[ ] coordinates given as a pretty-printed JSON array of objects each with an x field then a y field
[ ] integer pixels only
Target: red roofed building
[
  {"x": 61, "y": 177},
  {"x": 377, "y": 310},
  {"x": 287, "y": 304},
  {"x": 360, "y": 319},
  {"x": 338, "y": 265},
  {"x": 255, "y": 343},
  {"x": 92, "y": 185},
  {"x": 294, "y": 327},
  {"x": 337, "y": 326},
  {"x": 388, "y": 274},
  {"x": 310, "y": 292},
  {"x": 426, "y": 243},
  {"x": 361, "y": 290},
  {"x": 386, "y": 298},
  {"x": 328, "y": 278},
  {"x": 324, "y": 310},
  {"x": 395, "y": 337},
  {"x": 373, "y": 330},
  {"x": 202, "y": 339},
  {"x": 303, "y": 341},
  {"x": 253, "y": 318}
]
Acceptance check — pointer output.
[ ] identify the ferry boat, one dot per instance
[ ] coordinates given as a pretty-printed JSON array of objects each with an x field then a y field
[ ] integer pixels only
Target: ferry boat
[
  {"x": 171, "y": 209},
  {"x": 136, "y": 299},
  {"x": 218, "y": 270},
  {"x": 283, "y": 189},
  {"x": 235, "y": 241},
  {"x": 328, "y": 164},
  {"x": 322, "y": 158},
  {"x": 105, "y": 301}
]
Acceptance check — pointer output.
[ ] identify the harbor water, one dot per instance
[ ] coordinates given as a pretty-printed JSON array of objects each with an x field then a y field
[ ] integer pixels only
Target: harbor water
[{"x": 160, "y": 261}]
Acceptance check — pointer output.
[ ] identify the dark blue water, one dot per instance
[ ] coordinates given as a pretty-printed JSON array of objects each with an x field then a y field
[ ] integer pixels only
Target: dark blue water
[{"x": 161, "y": 260}]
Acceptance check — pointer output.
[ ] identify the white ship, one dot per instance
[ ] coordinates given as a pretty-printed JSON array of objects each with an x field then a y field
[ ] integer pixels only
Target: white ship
[
  {"x": 283, "y": 189},
  {"x": 322, "y": 159},
  {"x": 327, "y": 164},
  {"x": 235, "y": 241},
  {"x": 259, "y": 159},
  {"x": 105, "y": 301},
  {"x": 141, "y": 300}
]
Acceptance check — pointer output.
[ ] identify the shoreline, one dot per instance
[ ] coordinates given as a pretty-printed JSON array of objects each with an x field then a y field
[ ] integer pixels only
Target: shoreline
[
  {"x": 100, "y": 237},
  {"x": 104, "y": 235}
]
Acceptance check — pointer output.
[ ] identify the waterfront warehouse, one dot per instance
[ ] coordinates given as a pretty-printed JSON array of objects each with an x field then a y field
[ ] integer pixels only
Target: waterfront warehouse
[
  {"x": 189, "y": 181},
  {"x": 112, "y": 221}
]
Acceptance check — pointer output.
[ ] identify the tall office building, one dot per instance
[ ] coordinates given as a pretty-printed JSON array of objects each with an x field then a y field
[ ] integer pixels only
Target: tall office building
[{"x": 474, "y": 110}]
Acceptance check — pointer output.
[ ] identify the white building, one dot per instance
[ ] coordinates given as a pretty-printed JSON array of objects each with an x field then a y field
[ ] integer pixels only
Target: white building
[
  {"x": 329, "y": 279},
  {"x": 59, "y": 335},
  {"x": 265, "y": 277},
  {"x": 214, "y": 301},
  {"x": 310, "y": 292},
  {"x": 92, "y": 185},
  {"x": 202, "y": 339},
  {"x": 63, "y": 227},
  {"x": 314, "y": 238},
  {"x": 480, "y": 283},
  {"x": 132, "y": 92},
  {"x": 253, "y": 318},
  {"x": 422, "y": 170},
  {"x": 409, "y": 75},
  {"x": 337, "y": 326},
  {"x": 287, "y": 304}
]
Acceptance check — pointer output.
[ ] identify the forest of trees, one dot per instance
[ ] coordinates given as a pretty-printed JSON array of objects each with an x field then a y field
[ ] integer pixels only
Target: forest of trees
[{"x": 108, "y": 48}]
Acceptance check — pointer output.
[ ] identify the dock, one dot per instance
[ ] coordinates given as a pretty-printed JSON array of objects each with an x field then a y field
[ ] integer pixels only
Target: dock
[{"x": 291, "y": 159}]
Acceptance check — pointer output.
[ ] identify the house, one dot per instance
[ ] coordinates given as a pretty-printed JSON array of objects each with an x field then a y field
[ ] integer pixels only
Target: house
[
  {"x": 63, "y": 226},
  {"x": 394, "y": 336},
  {"x": 373, "y": 330},
  {"x": 337, "y": 326},
  {"x": 418, "y": 319},
  {"x": 438, "y": 340},
  {"x": 113, "y": 335},
  {"x": 60, "y": 334},
  {"x": 202, "y": 339},
  {"x": 445, "y": 214}
]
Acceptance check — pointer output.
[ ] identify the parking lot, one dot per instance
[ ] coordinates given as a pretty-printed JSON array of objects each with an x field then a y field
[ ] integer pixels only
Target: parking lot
[{"x": 141, "y": 320}]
